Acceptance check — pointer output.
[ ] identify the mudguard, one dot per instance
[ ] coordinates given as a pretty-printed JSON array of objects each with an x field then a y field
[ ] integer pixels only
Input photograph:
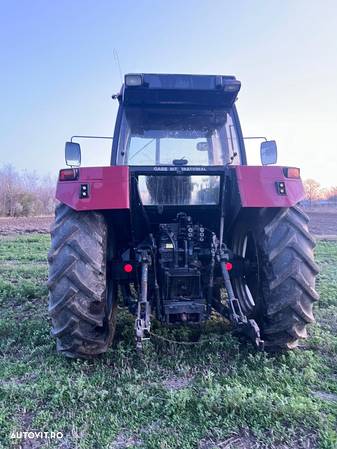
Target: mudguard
[
  {"x": 259, "y": 186},
  {"x": 106, "y": 187}
]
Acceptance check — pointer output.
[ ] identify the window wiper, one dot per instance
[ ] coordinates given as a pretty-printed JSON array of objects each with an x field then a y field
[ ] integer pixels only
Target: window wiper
[
  {"x": 181, "y": 161},
  {"x": 141, "y": 149}
]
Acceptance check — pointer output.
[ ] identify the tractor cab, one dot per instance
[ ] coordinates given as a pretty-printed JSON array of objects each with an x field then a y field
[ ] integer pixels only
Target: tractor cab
[
  {"x": 178, "y": 120},
  {"x": 177, "y": 134}
]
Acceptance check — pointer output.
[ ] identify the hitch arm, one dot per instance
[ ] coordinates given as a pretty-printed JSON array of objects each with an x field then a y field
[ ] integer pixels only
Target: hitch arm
[
  {"x": 242, "y": 324},
  {"x": 143, "y": 323}
]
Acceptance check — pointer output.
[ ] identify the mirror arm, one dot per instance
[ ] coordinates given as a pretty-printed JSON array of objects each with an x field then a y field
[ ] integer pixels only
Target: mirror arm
[
  {"x": 91, "y": 137},
  {"x": 259, "y": 137}
]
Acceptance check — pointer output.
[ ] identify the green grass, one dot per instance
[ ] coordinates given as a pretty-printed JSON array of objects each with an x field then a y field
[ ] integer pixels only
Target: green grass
[{"x": 175, "y": 396}]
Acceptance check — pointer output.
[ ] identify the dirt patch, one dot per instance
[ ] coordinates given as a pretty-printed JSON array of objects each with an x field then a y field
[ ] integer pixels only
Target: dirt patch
[
  {"x": 123, "y": 441},
  {"x": 26, "y": 422},
  {"x": 32, "y": 444},
  {"x": 323, "y": 222},
  {"x": 234, "y": 442},
  {"x": 176, "y": 383},
  {"x": 330, "y": 397},
  {"x": 22, "y": 225},
  {"x": 247, "y": 441}
]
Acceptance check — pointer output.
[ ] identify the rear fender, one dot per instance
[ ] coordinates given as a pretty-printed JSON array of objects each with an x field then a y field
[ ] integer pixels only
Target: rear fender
[
  {"x": 258, "y": 186},
  {"x": 107, "y": 187}
]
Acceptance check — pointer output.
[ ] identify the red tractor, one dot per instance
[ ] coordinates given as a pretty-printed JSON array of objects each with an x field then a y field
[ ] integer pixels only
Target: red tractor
[{"x": 179, "y": 226}]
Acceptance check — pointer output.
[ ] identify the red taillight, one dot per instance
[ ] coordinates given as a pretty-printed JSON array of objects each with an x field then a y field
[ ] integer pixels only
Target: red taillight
[
  {"x": 229, "y": 266},
  {"x": 292, "y": 172},
  {"x": 128, "y": 268},
  {"x": 69, "y": 174}
]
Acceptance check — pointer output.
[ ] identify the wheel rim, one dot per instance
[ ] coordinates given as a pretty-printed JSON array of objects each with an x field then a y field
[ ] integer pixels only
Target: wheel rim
[{"x": 246, "y": 286}]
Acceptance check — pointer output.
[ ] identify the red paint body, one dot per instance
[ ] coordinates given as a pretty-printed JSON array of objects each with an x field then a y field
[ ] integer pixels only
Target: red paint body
[
  {"x": 257, "y": 187},
  {"x": 109, "y": 188}
]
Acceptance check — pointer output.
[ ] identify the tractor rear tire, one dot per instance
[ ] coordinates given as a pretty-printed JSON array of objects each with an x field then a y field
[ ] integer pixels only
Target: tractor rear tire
[
  {"x": 82, "y": 304},
  {"x": 285, "y": 291}
]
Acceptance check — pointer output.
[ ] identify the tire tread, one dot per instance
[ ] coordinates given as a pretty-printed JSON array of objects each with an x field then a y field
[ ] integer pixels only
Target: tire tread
[
  {"x": 77, "y": 283},
  {"x": 290, "y": 271}
]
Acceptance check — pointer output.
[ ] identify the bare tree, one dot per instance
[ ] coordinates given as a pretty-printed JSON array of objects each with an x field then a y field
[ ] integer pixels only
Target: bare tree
[
  {"x": 312, "y": 190},
  {"x": 26, "y": 193},
  {"x": 10, "y": 187},
  {"x": 332, "y": 195},
  {"x": 46, "y": 195}
]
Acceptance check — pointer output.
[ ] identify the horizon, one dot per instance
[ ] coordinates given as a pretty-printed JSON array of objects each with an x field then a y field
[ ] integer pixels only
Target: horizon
[{"x": 61, "y": 71}]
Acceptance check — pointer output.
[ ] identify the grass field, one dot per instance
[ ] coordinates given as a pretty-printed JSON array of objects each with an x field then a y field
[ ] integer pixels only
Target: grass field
[{"x": 217, "y": 394}]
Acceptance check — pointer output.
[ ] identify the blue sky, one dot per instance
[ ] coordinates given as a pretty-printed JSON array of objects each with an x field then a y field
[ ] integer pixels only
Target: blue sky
[{"x": 58, "y": 71}]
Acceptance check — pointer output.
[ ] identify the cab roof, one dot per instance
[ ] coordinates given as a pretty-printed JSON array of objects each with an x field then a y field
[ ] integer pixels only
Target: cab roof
[{"x": 174, "y": 90}]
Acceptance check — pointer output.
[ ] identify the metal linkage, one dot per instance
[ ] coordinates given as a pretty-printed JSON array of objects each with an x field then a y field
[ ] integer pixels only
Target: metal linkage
[
  {"x": 143, "y": 323},
  {"x": 211, "y": 273},
  {"x": 236, "y": 311},
  {"x": 243, "y": 325}
]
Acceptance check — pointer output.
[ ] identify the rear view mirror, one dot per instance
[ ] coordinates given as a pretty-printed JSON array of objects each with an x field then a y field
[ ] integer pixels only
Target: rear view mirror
[
  {"x": 202, "y": 146},
  {"x": 73, "y": 154},
  {"x": 268, "y": 152}
]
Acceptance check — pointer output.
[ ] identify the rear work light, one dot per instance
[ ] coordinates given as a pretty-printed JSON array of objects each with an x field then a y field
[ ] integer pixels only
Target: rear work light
[
  {"x": 281, "y": 188},
  {"x": 133, "y": 80},
  {"x": 291, "y": 172},
  {"x": 128, "y": 268},
  {"x": 229, "y": 266},
  {"x": 69, "y": 174},
  {"x": 231, "y": 85}
]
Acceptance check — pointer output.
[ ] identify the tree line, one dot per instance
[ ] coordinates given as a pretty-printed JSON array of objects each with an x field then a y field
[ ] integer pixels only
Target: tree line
[
  {"x": 24, "y": 194},
  {"x": 316, "y": 194}
]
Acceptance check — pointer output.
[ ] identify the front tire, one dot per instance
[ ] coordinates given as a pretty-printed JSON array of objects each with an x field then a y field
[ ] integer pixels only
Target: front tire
[
  {"x": 280, "y": 293},
  {"x": 82, "y": 304}
]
